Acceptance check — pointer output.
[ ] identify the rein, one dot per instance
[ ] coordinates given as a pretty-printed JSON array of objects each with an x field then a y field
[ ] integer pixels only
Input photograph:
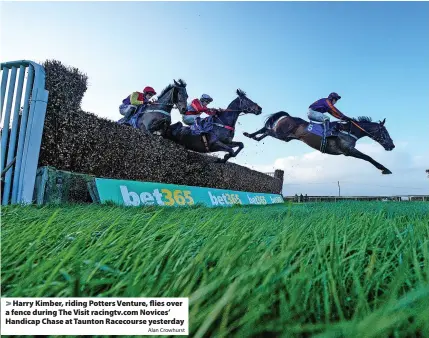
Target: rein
[
  {"x": 358, "y": 126},
  {"x": 158, "y": 111},
  {"x": 163, "y": 104},
  {"x": 365, "y": 131},
  {"x": 223, "y": 125}
]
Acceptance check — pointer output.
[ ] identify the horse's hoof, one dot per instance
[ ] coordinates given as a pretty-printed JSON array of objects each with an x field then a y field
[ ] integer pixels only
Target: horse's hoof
[
  {"x": 386, "y": 172},
  {"x": 246, "y": 134},
  {"x": 221, "y": 160}
]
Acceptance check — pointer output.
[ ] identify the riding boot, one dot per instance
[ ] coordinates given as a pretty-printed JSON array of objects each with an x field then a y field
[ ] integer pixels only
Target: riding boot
[{"x": 325, "y": 130}]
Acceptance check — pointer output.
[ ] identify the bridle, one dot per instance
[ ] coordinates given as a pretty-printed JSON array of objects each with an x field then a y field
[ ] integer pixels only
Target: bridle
[
  {"x": 170, "y": 99},
  {"x": 243, "y": 111},
  {"x": 246, "y": 110},
  {"x": 379, "y": 139}
]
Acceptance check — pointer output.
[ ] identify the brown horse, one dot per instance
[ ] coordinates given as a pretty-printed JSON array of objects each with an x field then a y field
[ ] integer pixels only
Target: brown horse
[{"x": 341, "y": 136}]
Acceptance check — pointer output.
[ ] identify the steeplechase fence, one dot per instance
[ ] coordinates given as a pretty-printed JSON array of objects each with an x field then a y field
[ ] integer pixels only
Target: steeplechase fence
[{"x": 53, "y": 152}]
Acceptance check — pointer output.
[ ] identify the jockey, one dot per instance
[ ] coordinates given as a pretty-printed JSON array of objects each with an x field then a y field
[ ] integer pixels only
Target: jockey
[
  {"x": 130, "y": 103},
  {"x": 196, "y": 108},
  {"x": 317, "y": 109},
  {"x": 326, "y": 105}
]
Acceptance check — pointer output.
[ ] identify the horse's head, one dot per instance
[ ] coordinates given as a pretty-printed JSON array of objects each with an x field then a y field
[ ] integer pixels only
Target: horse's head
[
  {"x": 378, "y": 132},
  {"x": 243, "y": 104},
  {"x": 180, "y": 95},
  {"x": 384, "y": 137},
  {"x": 158, "y": 115},
  {"x": 174, "y": 94}
]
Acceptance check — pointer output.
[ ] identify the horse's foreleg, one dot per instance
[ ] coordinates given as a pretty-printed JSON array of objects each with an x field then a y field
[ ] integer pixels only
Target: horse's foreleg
[
  {"x": 252, "y": 135},
  {"x": 143, "y": 129},
  {"x": 219, "y": 146},
  {"x": 160, "y": 127},
  {"x": 234, "y": 144},
  {"x": 141, "y": 126},
  {"x": 353, "y": 152}
]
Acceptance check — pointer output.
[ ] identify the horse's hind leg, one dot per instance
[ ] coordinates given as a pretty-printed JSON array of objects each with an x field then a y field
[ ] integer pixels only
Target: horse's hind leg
[
  {"x": 353, "y": 152},
  {"x": 253, "y": 135},
  {"x": 264, "y": 135}
]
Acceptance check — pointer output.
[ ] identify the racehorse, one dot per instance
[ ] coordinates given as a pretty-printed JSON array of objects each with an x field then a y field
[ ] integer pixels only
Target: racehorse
[
  {"x": 341, "y": 136},
  {"x": 220, "y": 133},
  {"x": 156, "y": 116}
]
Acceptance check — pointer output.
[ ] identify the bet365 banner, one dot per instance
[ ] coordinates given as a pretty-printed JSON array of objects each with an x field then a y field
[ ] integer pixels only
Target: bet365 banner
[{"x": 134, "y": 193}]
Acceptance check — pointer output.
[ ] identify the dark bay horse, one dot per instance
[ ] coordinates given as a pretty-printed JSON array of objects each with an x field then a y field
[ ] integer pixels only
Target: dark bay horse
[
  {"x": 340, "y": 141},
  {"x": 156, "y": 116},
  {"x": 221, "y": 134}
]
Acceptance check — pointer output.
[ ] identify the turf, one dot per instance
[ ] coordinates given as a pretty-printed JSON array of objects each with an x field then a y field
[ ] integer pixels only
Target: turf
[{"x": 347, "y": 269}]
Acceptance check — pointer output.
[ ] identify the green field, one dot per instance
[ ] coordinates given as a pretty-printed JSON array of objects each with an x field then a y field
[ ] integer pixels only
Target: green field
[{"x": 349, "y": 269}]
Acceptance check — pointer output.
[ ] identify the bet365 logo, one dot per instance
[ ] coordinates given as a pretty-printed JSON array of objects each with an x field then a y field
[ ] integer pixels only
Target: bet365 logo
[{"x": 164, "y": 197}]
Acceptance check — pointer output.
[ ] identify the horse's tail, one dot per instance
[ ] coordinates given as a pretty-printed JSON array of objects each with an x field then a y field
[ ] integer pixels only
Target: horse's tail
[{"x": 271, "y": 119}]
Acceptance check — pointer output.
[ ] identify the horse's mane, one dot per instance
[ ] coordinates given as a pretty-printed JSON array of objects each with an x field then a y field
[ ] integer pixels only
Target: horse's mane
[
  {"x": 240, "y": 93},
  {"x": 364, "y": 119},
  {"x": 165, "y": 90},
  {"x": 180, "y": 82}
]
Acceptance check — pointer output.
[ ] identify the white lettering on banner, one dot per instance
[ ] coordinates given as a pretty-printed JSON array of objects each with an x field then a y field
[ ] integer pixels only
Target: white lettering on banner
[
  {"x": 147, "y": 198},
  {"x": 213, "y": 199},
  {"x": 130, "y": 198},
  {"x": 276, "y": 199},
  {"x": 94, "y": 316},
  {"x": 178, "y": 197},
  {"x": 224, "y": 199},
  {"x": 164, "y": 197},
  {"x": 257, "y": 200},
  {"x": 158, "y": 197}
]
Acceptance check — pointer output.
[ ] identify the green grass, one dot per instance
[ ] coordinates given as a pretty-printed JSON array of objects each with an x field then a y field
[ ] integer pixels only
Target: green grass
[{"x": 349, "y": 269}]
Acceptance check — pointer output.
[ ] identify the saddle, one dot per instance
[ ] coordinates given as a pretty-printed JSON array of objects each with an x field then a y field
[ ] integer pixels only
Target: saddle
[
  {"x": 318, "y": 128},
  {"x": 202, "y": 126}
]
